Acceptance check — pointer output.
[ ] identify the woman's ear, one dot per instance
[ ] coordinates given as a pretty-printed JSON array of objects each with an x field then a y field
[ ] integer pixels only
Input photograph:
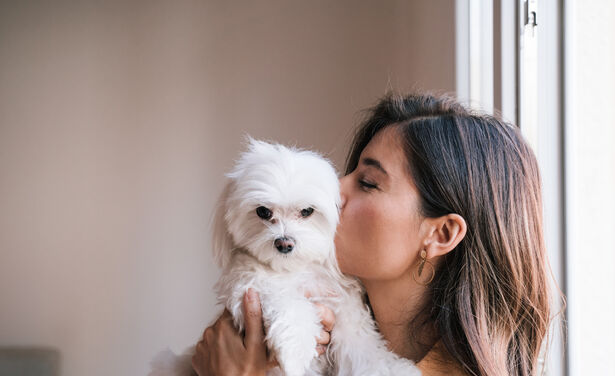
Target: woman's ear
[{"x": 445, "y": 233}]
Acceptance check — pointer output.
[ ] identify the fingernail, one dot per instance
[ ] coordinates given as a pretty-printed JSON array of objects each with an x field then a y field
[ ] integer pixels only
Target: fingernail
[{"x": 253, "y": 304}]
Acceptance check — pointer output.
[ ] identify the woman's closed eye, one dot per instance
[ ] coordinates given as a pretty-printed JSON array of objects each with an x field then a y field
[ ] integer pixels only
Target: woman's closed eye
[{"x": 365, "y": 185}]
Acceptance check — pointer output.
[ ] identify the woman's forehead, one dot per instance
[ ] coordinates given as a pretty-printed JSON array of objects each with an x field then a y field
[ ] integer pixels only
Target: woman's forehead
[{"x": 385, "y": 148}]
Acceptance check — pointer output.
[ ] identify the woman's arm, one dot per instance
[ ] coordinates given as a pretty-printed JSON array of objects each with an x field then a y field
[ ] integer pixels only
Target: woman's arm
[{"x": 224, "y": 351}]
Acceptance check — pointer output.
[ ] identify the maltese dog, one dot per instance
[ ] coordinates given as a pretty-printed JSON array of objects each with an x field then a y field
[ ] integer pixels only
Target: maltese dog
[{"x": 274, "y": 232}]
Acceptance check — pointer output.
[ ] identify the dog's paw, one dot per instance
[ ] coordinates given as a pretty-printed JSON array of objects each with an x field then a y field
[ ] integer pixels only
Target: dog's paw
[{"x": 296, "y": 362}]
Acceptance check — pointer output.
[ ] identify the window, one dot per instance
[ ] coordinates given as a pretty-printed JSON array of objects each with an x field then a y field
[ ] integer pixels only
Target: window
[{"x": 516, "y": 70}]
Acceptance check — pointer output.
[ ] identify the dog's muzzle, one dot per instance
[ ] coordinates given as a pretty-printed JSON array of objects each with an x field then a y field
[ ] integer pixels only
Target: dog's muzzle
[{"x": 284, "y": 245}]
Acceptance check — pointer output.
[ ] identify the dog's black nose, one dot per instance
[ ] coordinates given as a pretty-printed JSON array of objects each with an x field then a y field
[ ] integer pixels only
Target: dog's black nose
[{"x": 284, "y": 245}]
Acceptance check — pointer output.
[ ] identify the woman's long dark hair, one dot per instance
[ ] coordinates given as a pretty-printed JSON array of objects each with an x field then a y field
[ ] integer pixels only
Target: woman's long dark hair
[{"x": 490, "y": 297}]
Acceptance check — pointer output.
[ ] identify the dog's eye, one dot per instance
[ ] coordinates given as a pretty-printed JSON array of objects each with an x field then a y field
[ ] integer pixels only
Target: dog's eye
[
  {"x": 307, "y": 212},
  {"x": 264, "y": 213}
]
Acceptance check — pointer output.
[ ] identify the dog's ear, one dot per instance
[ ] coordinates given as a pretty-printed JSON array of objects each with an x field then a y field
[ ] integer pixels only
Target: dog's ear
[{"x": 222, "y": 242}]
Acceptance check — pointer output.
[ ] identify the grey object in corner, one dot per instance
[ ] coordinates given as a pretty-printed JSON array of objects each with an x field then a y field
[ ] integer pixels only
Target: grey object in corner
[{"x": 29, "y": 361}]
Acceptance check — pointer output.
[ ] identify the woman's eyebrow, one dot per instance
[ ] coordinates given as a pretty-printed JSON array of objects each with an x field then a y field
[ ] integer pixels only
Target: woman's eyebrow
[{"x": 374, "y": 163}]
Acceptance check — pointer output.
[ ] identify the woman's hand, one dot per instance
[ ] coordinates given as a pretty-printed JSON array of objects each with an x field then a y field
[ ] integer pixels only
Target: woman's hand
[
  {"x": 327, "y": 320},
  {"x": 224, "y": 351}
]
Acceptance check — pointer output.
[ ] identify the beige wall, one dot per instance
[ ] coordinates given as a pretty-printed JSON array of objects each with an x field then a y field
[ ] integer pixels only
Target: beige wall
[{"x": 117, "y": 122}]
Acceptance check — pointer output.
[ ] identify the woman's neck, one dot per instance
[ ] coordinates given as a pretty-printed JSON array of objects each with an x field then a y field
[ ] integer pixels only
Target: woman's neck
[{"x": 397, "y": 305}]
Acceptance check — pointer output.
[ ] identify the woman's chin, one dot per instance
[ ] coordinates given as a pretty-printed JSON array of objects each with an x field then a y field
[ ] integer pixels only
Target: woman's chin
[
  {"x": 343, "y": 260},
  {"x": 345, "y": 268}
]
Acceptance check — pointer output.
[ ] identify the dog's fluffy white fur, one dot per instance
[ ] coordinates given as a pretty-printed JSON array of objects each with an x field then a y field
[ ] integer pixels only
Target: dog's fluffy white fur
[{"x": 297, "y": 192}]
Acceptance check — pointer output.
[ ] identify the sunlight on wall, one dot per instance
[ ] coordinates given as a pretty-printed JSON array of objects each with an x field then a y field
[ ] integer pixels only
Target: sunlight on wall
[{"x": 591, "y": 185}]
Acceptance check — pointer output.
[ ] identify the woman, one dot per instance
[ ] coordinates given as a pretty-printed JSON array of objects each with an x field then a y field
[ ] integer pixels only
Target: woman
[{"x": 441, "y": 221}]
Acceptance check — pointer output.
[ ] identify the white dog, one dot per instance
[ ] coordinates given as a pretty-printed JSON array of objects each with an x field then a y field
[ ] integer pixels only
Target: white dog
[{"x": 274, "y": 232}]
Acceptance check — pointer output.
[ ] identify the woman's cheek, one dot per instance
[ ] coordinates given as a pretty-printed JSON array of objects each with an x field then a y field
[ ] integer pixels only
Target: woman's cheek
[
  {"x": 346, "y": 240},
  {"x": 387, "y": 241},
  {"x": 357, "y": 239}
]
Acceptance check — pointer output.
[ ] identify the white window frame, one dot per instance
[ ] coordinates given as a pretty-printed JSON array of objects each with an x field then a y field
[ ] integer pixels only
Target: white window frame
[{"x": 490, "y": 65}]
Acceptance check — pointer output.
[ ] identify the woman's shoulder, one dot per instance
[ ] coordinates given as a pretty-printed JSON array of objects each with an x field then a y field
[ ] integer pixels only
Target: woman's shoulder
[{"x": 438, "y": 362}]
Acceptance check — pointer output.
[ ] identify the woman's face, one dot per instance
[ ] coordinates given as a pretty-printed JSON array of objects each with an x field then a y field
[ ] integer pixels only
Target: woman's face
[{"x": 378, "y": 235}]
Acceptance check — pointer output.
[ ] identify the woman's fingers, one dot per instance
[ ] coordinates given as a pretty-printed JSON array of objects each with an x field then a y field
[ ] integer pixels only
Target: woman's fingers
[
  {"x": 327, "y": 317},
  {"x": 327, "y": 320},
  {"x": 324, "y": 338},
  {"x": 225, "y": 351},
  {"x": 200, "y": 359},
  {"x": 321, "y": 349},
  {"x": 254, "y": 334}
]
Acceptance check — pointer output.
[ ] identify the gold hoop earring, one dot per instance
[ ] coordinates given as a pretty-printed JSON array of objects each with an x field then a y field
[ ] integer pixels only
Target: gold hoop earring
[{"x": 421, "y": 267}]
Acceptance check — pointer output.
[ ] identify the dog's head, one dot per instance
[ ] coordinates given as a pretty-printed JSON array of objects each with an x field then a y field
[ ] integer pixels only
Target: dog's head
[{"x": 281, "y": 206}]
